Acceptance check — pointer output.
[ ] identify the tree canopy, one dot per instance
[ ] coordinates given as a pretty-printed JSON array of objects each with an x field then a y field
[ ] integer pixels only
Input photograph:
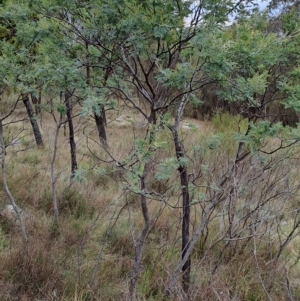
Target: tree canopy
[{"x": 85, "y": 63}]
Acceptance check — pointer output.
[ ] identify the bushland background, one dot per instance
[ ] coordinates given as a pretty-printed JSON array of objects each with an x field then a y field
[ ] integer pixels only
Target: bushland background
[{"x": 149, "y": 150}]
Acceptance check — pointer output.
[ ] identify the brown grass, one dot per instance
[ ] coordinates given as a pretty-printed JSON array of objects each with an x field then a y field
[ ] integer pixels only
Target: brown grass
[{"x": 101, "y": 220}]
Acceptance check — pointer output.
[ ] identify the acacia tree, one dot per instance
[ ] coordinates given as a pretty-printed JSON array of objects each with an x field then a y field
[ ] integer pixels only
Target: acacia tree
[
  {"x": 17, "y": 210},
  {"x": 18, "y": 46},
  {"x": 249, "y": 81},
  {"x": 93, "y": 48},
  {"x": 61, "y": 78},
  {"x": 164, "y": 74},
  {"x": 147, "y": 41},
  {"x": 146, "y": 55},
  {"x": 53, "y": 67}
]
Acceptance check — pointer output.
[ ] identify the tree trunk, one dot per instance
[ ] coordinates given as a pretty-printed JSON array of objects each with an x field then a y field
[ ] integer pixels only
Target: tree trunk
[
  {"x": 37, "y": 103},
  {"x": 53, "y": 176},
  {"x": 100, "y": 118},
  {"x": 142, "y": 238},
  {"x": 68, "y": 105},
  {"x": 139, "y": 246},
  {"x": 101, "y": 126},
  {"x": 186, "y": 269},
  {"x": 185, "y": 227},
  {"x": 34, "y": 124},
  {"x": 185, "y": 264},
  {"x": 6, "y": 188}
]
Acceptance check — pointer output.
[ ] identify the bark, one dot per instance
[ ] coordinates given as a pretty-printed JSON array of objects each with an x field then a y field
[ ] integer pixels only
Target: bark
[
  {"x": 139, "y": 247},
  {"x": 88, "y": 68},
  {"x": 205, "y": 218},
  {"x": 142, "y": 238},
  {"x": 37, "y": 103},
  {"x": 185, "y": 227},
  {"x": 6, "y": 188},
  {"x": 68, "y": 104},
  {"x": 34, "y": 124},
  {"x": 186, "y": 269},
  {"x": 53, "y": 177},
  {"x": 184, "y": 181},
  {"x": 185, "y": 264},
  {"x": 100, "y": 120}
]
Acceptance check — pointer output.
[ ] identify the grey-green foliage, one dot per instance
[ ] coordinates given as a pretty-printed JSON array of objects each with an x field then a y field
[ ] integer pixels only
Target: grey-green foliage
[
  {"x": 257, "y": 133},
  {"x": 37, "y": 55},
  {"x": 168, "y": 166}
]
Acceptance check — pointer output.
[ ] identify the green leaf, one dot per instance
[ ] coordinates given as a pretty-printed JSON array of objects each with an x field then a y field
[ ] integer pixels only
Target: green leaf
[
  {"x": 166, "y": 168},
  {"x": 78, "y": 176},
  {"x": 61, "y": 109}
]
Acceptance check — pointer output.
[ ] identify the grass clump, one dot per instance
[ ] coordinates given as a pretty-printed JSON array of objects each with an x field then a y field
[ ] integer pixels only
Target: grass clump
[
  {"x": 227, "y": 123},
  {"x": 73, "y": 203},
  {"x": 4, "y": 239},
  {"x": 34, "y": 271},
  {"x": 89, "y": 254}
]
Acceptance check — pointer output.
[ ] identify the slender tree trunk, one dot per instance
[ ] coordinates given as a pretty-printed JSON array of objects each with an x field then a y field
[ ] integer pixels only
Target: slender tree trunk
[
  {"x": 101, "y": 126},
  {"x": 37, "y": 103},
  {"x": 52, "y": 172},
  {"x": 205, "y": 218},
  {"x": 100, "y": 118},
  {"x": 6, "y": 188},
  {"x": 68, "y": 105},
  {"x": 143, "y": 235},
  {"x": 185, "y": 227},
  {"x": 185, "y": 263},
  {"x": 88, "y": 68},
  {"x": 186, "y": 269},
  {"x": 139, "y": 246},
  {"x": 184, "y": 181},
  {"x": 34, "y": 124}
]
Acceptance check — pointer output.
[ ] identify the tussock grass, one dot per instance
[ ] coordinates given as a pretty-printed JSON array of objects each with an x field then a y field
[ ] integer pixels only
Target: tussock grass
[{"x": 89, "y": 256}]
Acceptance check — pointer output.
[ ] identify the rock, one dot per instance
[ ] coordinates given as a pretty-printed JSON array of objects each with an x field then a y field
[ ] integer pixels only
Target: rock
[
  {"x": 185, "y": 127},
  {"x": 189, "y": 126},
  {"x": 9, "y": 214}
]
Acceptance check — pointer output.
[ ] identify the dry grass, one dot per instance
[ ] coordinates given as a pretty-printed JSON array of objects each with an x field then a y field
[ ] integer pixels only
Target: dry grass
[{"x": 89, "y": 257}]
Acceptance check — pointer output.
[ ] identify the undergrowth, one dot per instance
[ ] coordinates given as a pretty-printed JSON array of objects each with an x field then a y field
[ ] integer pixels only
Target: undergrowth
[{"x": 89, "y": 256}]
